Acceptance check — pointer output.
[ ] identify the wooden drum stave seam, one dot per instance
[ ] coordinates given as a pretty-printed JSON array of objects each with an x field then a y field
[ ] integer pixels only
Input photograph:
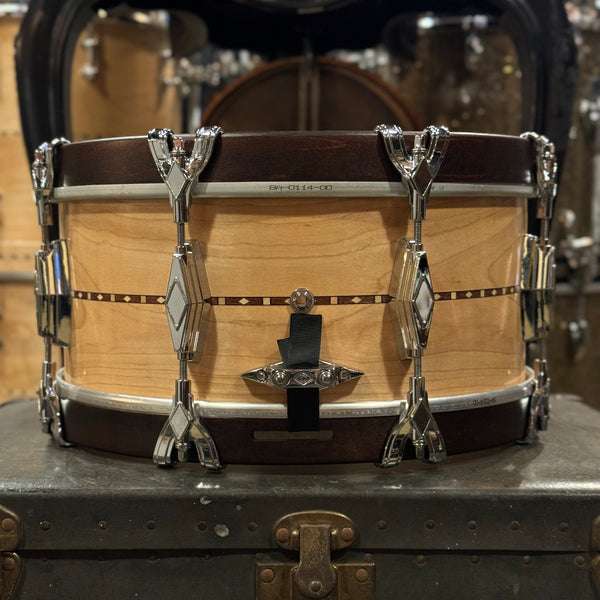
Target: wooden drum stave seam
[{"x": 339, "y": 247}]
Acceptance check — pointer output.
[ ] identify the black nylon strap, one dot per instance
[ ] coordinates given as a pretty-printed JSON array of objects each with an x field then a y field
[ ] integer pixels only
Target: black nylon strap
[
  {"x": 303, "y": 409},
  {"x": 303, "y": 348},
  {"x": 301, "y": 351}
]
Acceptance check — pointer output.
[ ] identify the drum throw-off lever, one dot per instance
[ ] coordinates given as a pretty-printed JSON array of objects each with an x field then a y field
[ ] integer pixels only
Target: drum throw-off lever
[
  {"x": 412, "y": 293},
  {"x": 301, "y": 372},
  {"x": 186, "y": 293}
]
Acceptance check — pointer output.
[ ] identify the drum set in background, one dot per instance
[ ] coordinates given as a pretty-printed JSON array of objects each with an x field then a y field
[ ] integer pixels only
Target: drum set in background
[{"x": 341, "y": 292}]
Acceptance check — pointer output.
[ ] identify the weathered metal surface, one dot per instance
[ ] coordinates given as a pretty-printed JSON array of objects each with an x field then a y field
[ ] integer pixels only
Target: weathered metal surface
[
  {"x": 10, "y": 569},
  {"x": 10, "y": 562},
  {"x": 315, "y": 535}
]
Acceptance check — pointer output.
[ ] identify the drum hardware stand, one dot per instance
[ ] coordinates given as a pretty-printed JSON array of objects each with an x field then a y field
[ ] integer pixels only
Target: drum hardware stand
[
  {"x": 301, "y": 373},
  {"x": 412, "y": 291},
  {"x": 537, "y": 283},
  {"x": 52, "y": 290},
  {"x": 185, "y": 298}
]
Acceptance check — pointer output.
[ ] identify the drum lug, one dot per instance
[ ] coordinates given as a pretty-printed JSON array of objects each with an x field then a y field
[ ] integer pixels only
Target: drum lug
[
  {"x": 187, "y": 311},
  {"x": 49, "y": 405},
  {"x": 420, "y": 166},
  {"x": 327, "y": 375},
  {"x": 52, "y": 289},
  {"x": 418, "y": 425},
  {"x": 183, "y": 427},
  {"x": 546, "y": 175},
  {"x": 42, "y": 175},
  {"x": 538, "y": 282},
  {"x": 187, "y": 290},
  {"x": 177, "y": 170},
  {"x": 53, "y": 293},
  {"x": 537, "y": 287},
  {"x": 539, "y": 404},
  {"x": 412, "y": 292},
  {"x": 412, "y": 300}
]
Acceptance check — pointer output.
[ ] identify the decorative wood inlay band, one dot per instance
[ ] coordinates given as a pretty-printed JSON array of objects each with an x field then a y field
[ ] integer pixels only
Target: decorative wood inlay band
[
  {"x": 283, "y": 300},
  {"x": 469, "y": 294}
]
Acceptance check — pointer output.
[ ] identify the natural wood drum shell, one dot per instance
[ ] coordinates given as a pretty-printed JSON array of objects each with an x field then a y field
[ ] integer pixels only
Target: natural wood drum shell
[{"x": 269, "y": 247}]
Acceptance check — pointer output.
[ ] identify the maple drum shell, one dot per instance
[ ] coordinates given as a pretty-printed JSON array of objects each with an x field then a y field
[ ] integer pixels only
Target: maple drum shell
[
  {"x": 21, "y": 350},
  {"x": 260, "y": 246},
  {"x": 129, "y": 94}
]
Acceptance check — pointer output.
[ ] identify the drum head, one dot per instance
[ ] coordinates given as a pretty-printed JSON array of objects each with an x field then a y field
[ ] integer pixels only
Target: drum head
[{"x": 321, "y": 95}]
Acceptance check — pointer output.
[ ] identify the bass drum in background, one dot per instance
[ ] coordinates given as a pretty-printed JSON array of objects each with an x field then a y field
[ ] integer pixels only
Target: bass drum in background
[
  {"x": 122, "y": 78},
  {"x": 293, "y": 94},
  {"x": 21, "y": 350}
]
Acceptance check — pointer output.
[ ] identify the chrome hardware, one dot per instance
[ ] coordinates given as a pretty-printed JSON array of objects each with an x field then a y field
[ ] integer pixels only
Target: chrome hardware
[
  {"x": 413, "y": 300},
  {"x": 328, "y": 410},
  {"x": 10, "y": 562},
  {"x": 49, "y": 407},
  {"x": 183, "y": 427},
  {"x": 90, "y": 44},
  {"x": 417, "y": 425},
  {"x": 537, "y": 288},
  {"x": 186, "y": 291},
  {"x": 42, "y": 175},
  {"x": 187, "y": 311},
  {"x": 326, "y": 375},
  {"x": 302, "y": 300},
  {"x": 420, "y": 166},
  {"x": 178, "y": 170},
  {"x": 547, "y": 168},
  {"x": 538, "y": 281},
  {"x": 412, "y": 290},
  {"x": 53, "y": 293},
  {"x": 539, "y": 404},
  {"x": 315, "y": 535},
  {"x": 52, "y": 289}
]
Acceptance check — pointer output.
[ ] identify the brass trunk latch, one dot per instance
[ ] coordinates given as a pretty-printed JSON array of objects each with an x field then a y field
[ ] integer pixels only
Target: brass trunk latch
[
  {"x": 10, "y": 562},
  {"x": 315, "y": 535}
]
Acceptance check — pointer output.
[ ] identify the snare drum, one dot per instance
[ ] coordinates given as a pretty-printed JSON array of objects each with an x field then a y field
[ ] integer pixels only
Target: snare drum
[
  {"x": 273, "y": 213},
  {"x": 20, "y": 350},
  {"x": 119, "y": 79}
]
